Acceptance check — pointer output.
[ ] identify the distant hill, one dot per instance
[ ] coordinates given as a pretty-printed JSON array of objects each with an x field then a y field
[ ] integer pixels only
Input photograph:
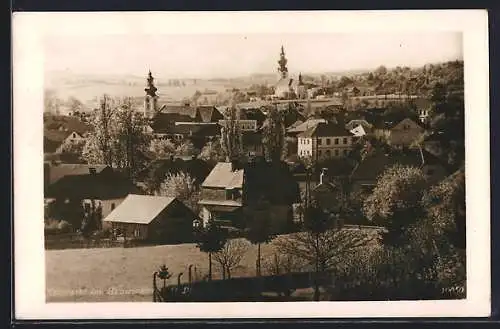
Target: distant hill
[{"x": 65, "y": 86}]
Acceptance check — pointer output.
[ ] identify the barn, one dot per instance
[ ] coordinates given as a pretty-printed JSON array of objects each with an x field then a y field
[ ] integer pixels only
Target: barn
[{"x": 154, "y": 219}]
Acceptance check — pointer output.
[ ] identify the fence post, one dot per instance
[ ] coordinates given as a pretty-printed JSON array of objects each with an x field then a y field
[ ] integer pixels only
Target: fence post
[
  {"x": 190, "y": 274},
  {"x": 179, "y": 279},
  {"x": 154, "y": 287}
]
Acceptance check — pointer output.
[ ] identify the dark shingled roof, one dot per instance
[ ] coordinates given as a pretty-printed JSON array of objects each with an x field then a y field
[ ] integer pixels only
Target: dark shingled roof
[
  {"x": 101, "y": 187},
  {"x": 326, "y": 130},
  {"x": 165, "y": 122},
  {"x": 200, "y": 113},
  {"x": 209, "y": 114},
  {"x": 196, "y": 168},
  {"x": 59, "y": 171},
  {"x": 201, "y": 130},
  {"x": 374, "y": 165},
  {"x": 65, "y": 123}
]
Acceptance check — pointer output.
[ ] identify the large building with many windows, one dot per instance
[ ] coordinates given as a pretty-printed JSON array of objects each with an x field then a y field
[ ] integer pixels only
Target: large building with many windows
[{"x": 324, "y": 141}]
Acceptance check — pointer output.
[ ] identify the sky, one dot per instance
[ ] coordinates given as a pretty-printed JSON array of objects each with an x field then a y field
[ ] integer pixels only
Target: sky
[{"x": 233, "y": 55}]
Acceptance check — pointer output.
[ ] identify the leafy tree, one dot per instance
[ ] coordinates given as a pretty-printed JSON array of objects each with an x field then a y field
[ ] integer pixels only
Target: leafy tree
[
  {"x": 396, "y": 201},
  {"x": 212, "y": 152},
  {"x": 230, "y": 256},
  {"x": 381, "y": 70},
  {"x": 181, "y": 186},
  {"x": 162, "y": 148},
  {"x": 211, "y": 239},
  {"x": 118, "y": 136},
  {"x": 231, "y": 135},
  {"x": 74, "y": 104},
  {"x": 187, "y": 148},
  {"x": 274, "y": 136},
  {"x": 131, "y": 141},
  {"x": 239, "y": 97},
  {"x": 445, "y": 207},
  {"x": 99, "y": 146},
  {"x": 259, "y": 227},
  {"x": 344, "y": 82}
]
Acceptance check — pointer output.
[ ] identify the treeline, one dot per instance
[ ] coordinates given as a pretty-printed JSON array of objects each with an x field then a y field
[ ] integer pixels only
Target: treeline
[{"x": 403, "y": 80}]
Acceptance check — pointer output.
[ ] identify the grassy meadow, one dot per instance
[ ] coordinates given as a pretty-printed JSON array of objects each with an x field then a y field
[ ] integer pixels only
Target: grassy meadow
[{"x": 125, "y": 274}]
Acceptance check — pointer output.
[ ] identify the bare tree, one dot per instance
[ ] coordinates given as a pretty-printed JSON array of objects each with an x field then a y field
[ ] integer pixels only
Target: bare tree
[
  {"x": 230, "y": 256},
  {"x": 280, "y": 263},
  {"x": 323, "y": 250}
]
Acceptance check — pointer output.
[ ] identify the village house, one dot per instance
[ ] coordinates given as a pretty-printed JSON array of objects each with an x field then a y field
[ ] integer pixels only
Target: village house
[
  {"x": 400, "y": 134},
  {"x": 365, "y": 126},
  {"x": 423, "y": 109},
  {"x": 364, "y": 176},
  {"x": 325, "y": 140},
  {"x": 328, "y": 194},
  {"x": 76, "y": 187},
  {"x": 434, "y": 143},
  {"x": 244, "y": 125},
  {"x": 300, "y": 127},
  {"x": 62, "y": 131},
  {"x": 233, "y": 189},
  {"x": 155, "y": 219},
  {"x": 221, "y": 196}
]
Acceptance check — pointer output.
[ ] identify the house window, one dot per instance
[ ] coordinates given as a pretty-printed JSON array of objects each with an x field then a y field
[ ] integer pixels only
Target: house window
[
  {"x": 74, "y": 135},
  {"x": 336, "y": 141},
  {"x": 137, "y": 233},
  {"x": 345, "y": 140},
  {"x": 328, "y": 141},
  {"x": 319, "y": 153},
  {"x": 328, "y": 153},
  {"x": 336, "y": 153},
  {"x": 113, "y": 206},
  {"x": 319, "y": 141},
  {"x": 346, "y": 152}
]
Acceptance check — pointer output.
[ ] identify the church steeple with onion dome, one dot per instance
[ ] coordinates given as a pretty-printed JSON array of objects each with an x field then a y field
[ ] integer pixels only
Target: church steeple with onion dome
[
  {"x": 151, "y": 98},
  {"x": 282, "y": 68}
]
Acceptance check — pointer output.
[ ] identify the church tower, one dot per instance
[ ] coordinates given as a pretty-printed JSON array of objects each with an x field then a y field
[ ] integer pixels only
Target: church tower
[
  {"x": 151, "y": 98},
  {"x": 282, "y": 69}
]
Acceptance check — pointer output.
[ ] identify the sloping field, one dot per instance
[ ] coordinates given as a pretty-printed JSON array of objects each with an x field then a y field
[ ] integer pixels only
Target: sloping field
[{"x": 125, "y": 274}]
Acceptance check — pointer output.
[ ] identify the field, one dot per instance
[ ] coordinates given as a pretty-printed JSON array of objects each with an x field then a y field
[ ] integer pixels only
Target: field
[
  {"x": 125, "y": 274},
  {"x": 86, "y": 88}
]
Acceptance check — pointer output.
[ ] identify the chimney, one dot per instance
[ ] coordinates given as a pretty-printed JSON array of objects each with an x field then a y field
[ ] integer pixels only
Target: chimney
[
  {"x": 323, "y": 178},
  {"x": 235, "y": 165},
  {"x": 92, "y": 170}
]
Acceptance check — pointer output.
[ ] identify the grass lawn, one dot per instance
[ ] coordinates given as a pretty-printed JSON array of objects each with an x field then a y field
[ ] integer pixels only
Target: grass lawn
[{"x": 125, "y": 274}]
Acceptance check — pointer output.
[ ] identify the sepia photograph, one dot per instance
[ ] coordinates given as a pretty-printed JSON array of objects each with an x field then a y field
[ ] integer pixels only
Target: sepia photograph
[{"x": 271, "y": 166}]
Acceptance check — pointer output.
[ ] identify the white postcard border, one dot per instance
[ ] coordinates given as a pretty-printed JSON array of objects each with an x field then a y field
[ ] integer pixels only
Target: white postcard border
[{"x": 29, "y": 30}]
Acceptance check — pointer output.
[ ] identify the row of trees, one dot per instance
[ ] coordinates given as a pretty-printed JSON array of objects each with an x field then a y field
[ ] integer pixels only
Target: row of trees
[{"x": 403, "y": 80}]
